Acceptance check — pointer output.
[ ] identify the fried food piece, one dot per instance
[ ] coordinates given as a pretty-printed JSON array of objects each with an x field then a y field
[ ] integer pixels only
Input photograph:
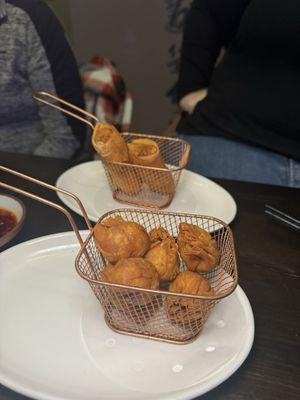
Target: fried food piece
[
  {"x": 197, "y": 248},
  {"x": 184, "y": 310},
  {"x": 146, "y": 152},
  {"x": 135, "y": 271},
  {"x": 163, "y": 254},
  {"x": 110, "y": 145},
  {"x": 188, "y": 282},
  {"x": 136, "y": 307},
  {"x": 124, "y": 178},
  {"x": 108, "y": 142},
  {"x": 159, "y": 234},
  {"x": 117, "y": 238}
]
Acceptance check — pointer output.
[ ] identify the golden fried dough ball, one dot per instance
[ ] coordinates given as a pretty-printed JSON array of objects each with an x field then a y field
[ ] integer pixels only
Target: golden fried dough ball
[
  {"x": 188, "y": 282},
  {"x": 163, "y": 254},
  {"x": 117, "y": 238},
  {"x": 197, "y": 248},
  {"x": 135, "y": 271},
  {"x": 159, "y": 234},
  {"x": 136, "y": 306},
  {"x": 184, "y": 310}
]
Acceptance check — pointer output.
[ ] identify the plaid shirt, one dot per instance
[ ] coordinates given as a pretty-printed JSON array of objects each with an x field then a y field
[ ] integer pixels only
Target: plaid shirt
[{"x": 105, "y": 93}]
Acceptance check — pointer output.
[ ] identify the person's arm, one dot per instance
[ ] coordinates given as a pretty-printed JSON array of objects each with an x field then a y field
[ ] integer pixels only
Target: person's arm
[
  {"x": 210, "y": 25},
  {"x": 52, "y": 67},
  {"x": 189, "y": 101}
]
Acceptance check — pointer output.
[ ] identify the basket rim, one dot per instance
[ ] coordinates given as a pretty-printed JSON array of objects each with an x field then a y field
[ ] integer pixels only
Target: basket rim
[
  {"x": 162, "y": 212},
  {"x": 152, "y": 135},
  {"x": 143, "y": 166},
  {"x": 147, "y": 136},
  {"x": 158, "y": 291}
]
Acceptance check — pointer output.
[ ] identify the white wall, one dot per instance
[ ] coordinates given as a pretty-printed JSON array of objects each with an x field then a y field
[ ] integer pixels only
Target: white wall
[
  {"x": 143, "y": 38},
  {"x": 133, "y": 34}
]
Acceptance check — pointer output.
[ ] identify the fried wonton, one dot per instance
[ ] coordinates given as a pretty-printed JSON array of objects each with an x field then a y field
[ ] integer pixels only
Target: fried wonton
[
  {"x": 197, "y": 248},
  {"x": 146, "y": 152},
  {"x": 185, "y": 310},
  {"x": 163, "y": 254},
  {"x": 117, "y": 238},
  {"x": 159, "y": 234},
  {"x": 188, "y": 282},
  {"x": 135, "y": 271},
  {"x": 136, "y": 307}
]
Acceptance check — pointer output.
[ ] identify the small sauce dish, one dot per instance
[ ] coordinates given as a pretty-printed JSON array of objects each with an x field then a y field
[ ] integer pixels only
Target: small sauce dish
[{"x": 12, "y": 216}]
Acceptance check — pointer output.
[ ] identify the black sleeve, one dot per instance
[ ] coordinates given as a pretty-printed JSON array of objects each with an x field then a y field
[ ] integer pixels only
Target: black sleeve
[
  {"x": 210, "y": 25},
  {"x": 60, "y": 56}
]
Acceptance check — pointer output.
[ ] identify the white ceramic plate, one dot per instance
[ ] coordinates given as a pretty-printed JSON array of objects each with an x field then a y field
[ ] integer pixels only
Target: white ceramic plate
[
  {"x": 55, "y": 345},
  {"x": 195, "y": 194},
  {"x": 16, "y": 206}
]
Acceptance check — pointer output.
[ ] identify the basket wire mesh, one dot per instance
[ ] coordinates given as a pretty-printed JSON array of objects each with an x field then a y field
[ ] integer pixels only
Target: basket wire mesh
[
  {"x": 155, "y": 314},
  {"x": 148, "y": 186},
  {"x": 145, "y": 186},
  {"x": 159, "y": 314}
]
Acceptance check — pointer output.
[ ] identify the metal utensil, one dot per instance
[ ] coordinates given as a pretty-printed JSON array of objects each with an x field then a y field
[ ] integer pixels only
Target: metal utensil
[{"x": 282, "y": 217}]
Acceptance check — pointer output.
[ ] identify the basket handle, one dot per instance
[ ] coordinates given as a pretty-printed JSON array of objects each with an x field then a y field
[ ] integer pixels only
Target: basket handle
[
  {"x": 39, "y": 97},
  {"x": 48, "y": 202}
]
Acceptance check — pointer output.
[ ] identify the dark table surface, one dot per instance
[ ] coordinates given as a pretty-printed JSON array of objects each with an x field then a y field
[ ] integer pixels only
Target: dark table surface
[{"x": 268, "y": 256}]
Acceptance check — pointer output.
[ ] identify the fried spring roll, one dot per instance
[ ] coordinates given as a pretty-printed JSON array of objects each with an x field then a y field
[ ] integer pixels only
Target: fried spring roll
[
  {"x": 111, "y": 146},
  {"x": 146, "y": 152}
]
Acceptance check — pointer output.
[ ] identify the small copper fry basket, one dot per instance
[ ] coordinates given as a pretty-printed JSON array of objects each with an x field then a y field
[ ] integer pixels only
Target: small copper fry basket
[
  {"x": 148, "y": 186},
  {"x": 139, "y": 185},
  {"x": 153, "y": 314},
  {"x": 159, "y": 314}
]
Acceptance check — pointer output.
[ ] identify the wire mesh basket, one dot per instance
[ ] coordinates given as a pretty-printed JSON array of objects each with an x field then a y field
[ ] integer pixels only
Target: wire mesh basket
[
  {"x": 148, "y": 186},
  {"x": 154, "y": 314},
  {"x": 140, "y": 185},
  {"x": 159, "y": 314}
]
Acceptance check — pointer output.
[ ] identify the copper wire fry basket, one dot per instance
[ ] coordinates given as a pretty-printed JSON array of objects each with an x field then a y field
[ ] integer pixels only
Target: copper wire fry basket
[
  {"x": 151, "y": 187},
  {"x": 159, "y": 314},
  {"x": 148, "y": 186},
  {"x": 153, "y": 314}
]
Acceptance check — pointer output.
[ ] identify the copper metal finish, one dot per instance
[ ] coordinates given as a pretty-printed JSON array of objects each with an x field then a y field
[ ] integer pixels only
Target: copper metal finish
[
  {"x": 150, "y": 187},
  {"x": 159, "y": 314},
  {"x": 153, "y": 314},
  {"x": 45, "y": 201},
  {"x": 39, "y": 97}
]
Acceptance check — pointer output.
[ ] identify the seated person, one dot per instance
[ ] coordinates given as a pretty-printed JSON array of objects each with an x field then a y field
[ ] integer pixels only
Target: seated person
[
  {"x": 242, "y": 115},
  {"x": 35, "y": 56}
]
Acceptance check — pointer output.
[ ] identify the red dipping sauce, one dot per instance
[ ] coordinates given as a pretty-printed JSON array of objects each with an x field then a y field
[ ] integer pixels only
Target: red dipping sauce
[{"x": 8, "y": 221}]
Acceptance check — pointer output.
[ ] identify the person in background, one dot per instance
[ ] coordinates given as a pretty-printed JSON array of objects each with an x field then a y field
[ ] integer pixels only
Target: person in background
[
  {"x": 36, "y": 56},
  {"x": 242, "y": 113}
]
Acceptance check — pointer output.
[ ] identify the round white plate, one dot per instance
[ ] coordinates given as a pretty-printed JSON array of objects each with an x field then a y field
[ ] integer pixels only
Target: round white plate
[
  {"x": 195, "y": 194},
  {"x": 55, "y": 345}
]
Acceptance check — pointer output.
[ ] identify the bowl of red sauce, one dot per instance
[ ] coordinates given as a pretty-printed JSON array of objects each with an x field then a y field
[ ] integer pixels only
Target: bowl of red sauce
[{"x": 12, "y": 216}]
